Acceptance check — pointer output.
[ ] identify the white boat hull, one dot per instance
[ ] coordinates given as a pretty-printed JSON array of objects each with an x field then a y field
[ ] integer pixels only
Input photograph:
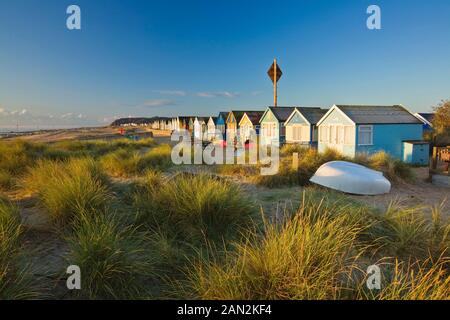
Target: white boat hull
[{"x": 351, "y": 178}]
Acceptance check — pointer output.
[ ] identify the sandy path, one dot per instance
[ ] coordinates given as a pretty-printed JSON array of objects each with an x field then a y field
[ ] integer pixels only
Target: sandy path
[{"x": 418, "y": 193}]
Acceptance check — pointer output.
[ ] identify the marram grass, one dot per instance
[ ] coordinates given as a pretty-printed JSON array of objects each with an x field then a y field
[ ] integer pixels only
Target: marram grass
[
  {"x": 16, "y": 279},
  {"x": 66, "y": 188},
  {"x": 115, "y": 259}
]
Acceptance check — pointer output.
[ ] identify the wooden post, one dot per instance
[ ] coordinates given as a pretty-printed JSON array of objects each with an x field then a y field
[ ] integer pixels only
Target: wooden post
[
  {"x": 295, "y": 161},
  {"x": 434, "y": 160},
  {"x": 275, "y": 82}
]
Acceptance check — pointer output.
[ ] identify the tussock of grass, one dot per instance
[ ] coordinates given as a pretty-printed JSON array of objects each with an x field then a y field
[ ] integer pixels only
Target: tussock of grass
[
  {"x": 114, "y": 260},
  {"x": 15, "y": 157},
  {"x": 16, "y": 280},
  {"x": 290, "y": 148},
  {"x": 309, "y": 160},
  {"x": 409, "y": 233},
  {"x": 393, "y": 169},
  {"x": 427, "y": 280},
  {"x": 196, "y": 208},
  {"x": 6, "y": 180},
  {"x": 308, "y": 257},
  {"x": 122, "y": 163},
  {"x": 158, "y": 157},
  {"x": 125, "y": 163},
  {"x": 317, "y": 254},
  {"x": 67, "y": 188}
]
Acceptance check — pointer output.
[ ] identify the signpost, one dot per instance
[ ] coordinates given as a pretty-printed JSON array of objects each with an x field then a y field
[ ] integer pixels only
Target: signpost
[{"x": 275, "y": 74}]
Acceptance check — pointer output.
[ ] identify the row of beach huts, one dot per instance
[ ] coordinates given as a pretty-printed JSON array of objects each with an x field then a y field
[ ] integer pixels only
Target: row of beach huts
[{"x": 349, "y": 129}]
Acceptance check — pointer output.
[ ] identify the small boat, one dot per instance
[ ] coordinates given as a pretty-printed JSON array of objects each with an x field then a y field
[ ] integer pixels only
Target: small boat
[{"x": 351, "y": 178}]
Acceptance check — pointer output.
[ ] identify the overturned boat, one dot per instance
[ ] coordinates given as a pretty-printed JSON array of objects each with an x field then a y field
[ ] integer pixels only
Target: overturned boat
[{"x": 351, "y": 178}]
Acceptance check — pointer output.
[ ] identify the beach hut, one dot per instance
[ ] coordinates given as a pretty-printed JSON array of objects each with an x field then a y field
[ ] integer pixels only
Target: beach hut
[
  {"x": 232, "y": 123},
  {"x": 427, "y": 120},
  {"x": 249, "y": 121},
  {"x": 272, "y": 124},
  {"x": 353, "y": 129},
  {"x": 199, "y": 127},
  {"x": 185, "y": 122},
  {"x": 211, "y": 128},
  {"x": 301, "y": 125},
  {"x": 221, "y": 123}
]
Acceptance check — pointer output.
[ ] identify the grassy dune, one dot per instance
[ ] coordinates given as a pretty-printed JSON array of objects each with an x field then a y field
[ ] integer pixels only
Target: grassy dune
[
  {"x": 16, "y": 279},
  {"x": 200, "y": 236},
  {"x": 320, "y": 253}
]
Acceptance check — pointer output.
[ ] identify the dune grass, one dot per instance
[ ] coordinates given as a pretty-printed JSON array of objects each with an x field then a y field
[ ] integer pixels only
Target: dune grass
[
  {"x": 199, "y": 236},
  {"x": 127, "y": 163},
  {"x": 16, "y": 280},
  {"x": 15, "y": 157},
  {"x": 309, "y": 160},
  {"x": 320, "y": 251},
  {"x": 393, "y": 169},
  {"x": 237, "y": 170},
  {"x": 18, "y": 155},
  {"x": 96, "y": 148},
  {"x": 410, "y": 280},
  {"x": 6, "y": 180},
  {"x": 195, "y": 208},
  {"x": 115, "y": 260},
  {"x": 306, "y": 257},
  {"x": 66, "y": 188},
  {"x": 158, "y": 157},
  {"x": 122, "y": 163}
]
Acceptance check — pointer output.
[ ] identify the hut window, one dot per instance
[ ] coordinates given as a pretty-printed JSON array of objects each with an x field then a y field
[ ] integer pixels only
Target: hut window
[{"x": 365, "y": 135}]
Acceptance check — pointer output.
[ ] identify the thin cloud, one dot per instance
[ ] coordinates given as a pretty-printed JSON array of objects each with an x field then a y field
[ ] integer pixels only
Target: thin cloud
[
  {"x": 179, "y": 93},
  {"x": 157, "y": 103},
  {"x": 223, "y": 94}
]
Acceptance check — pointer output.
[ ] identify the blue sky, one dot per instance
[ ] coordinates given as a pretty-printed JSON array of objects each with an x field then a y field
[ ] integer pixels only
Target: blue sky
[{"x": 146, "y": 58}]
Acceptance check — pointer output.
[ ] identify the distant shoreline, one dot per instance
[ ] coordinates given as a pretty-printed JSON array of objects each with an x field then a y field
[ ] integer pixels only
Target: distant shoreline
[{"x": 14, "y": 133}]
